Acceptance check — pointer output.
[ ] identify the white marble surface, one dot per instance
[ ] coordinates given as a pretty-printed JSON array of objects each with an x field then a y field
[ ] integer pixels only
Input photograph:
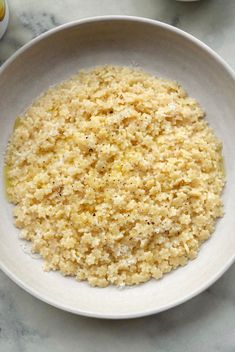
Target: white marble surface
[{"x": 206, "y": 323}]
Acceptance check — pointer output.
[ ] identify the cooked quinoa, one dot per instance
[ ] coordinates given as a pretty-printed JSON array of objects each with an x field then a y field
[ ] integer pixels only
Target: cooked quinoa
[{"x": 115, "y": 176}]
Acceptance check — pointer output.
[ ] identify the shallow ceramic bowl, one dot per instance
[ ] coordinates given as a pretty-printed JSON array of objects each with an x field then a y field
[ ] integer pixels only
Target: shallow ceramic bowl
[{"x": 164, "y": 51}]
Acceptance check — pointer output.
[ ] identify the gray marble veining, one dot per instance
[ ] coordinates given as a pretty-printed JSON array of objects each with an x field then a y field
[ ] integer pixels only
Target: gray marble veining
[{"x": 207, "y": 322}]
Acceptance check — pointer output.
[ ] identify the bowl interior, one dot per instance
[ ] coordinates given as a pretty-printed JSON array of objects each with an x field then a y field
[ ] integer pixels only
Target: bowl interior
[{"x": 165, "y": 52}]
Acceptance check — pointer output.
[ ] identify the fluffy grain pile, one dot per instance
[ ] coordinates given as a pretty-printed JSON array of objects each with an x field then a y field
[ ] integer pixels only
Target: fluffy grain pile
[{"x": 116, "y": 176}]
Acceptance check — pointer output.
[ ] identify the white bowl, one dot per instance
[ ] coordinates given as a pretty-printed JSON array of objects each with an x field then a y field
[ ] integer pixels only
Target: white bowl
[{"x": 164, "y": 51}]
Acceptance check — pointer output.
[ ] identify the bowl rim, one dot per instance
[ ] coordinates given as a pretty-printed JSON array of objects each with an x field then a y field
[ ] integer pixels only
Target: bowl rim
[{"x": 212, "y": 54}]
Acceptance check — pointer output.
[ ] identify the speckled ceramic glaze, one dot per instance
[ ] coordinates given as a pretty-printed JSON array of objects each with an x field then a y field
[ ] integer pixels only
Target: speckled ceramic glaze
[{"x": 163, "y": 51}]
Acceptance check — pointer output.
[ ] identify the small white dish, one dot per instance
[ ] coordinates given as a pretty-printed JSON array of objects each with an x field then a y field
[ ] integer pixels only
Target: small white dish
[
  {"x": 164, "y": 51},
  {"x": 4, "y": 17}
]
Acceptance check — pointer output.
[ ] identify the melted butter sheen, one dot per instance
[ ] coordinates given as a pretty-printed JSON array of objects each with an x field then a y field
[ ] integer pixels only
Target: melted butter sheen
[{"x": 17, "y": 123}]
